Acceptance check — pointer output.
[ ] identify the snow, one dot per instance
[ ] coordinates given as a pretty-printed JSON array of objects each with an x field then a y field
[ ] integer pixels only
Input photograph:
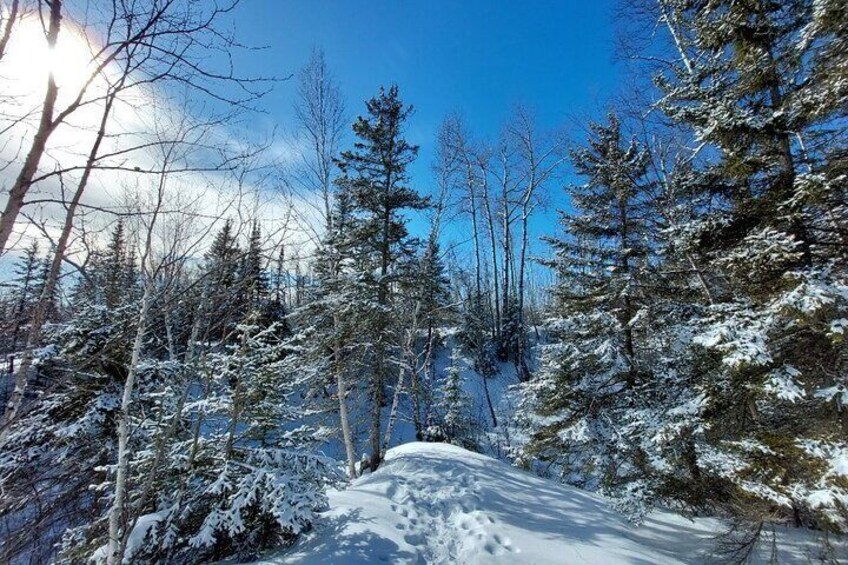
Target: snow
[
  {"x": 146, "y": 525},
  {"x": 437, "y": 503}
]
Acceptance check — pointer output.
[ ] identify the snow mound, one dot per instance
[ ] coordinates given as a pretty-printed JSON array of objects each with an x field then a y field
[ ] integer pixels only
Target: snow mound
[{"x": 437, "y": 503}]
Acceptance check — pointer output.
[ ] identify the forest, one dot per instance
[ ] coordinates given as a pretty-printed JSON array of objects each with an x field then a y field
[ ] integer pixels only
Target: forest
[{"x": 204, "y": 333}]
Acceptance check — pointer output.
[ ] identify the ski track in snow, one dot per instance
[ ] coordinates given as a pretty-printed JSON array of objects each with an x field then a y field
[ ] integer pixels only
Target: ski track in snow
[{"x": 436, "y": 503}]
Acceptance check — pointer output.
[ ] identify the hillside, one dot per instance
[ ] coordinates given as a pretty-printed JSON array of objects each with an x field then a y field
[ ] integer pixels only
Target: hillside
[{"x": 436, "y": 503}]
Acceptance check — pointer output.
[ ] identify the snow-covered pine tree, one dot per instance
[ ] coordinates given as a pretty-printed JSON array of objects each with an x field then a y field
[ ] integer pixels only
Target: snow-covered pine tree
[
  {"x": 324, "y": 347},
  {"x": 250, "y": 480},
  {"x": 256, "y": 295},
  {"x": 21, "y": 294},
  {"x": 224, "y": 294},
  {"x": 111, "y": 275},
  {"x": 63, "y": 438},
  {"x": 430, "y": 296},
  {"x": 375, "y": 174},
  {"x": 758, "y": 83},
  {"x": 115, "y": 267},
  {"x": 582, "y": 404},
  {"x": 453, "y": 407},
  {"x": 198, "y": 413}
]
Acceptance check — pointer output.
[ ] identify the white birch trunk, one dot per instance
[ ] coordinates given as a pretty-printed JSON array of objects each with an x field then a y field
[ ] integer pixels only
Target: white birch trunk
[{"x": 114, "y": 553}]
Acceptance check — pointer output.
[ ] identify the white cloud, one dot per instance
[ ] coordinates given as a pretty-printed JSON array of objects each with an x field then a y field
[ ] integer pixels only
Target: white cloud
[{"x": 141, "y": 116}]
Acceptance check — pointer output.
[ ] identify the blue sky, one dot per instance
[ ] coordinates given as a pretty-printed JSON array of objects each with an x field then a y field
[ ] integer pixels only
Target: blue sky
[{"x": 476, "y": 57}]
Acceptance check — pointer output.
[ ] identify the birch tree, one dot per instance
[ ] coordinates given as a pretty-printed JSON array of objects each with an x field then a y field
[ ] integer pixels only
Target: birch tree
[{"x": 164, "y": 42}]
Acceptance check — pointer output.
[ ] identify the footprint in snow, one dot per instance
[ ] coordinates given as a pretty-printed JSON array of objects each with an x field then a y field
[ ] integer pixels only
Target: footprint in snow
[
  {"x": 414, "y": 539},
  {"x": 498, "y": 545}
]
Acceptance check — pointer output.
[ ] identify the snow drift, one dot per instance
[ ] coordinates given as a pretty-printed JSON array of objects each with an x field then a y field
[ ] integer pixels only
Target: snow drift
[{"x": 437, "y": 503}]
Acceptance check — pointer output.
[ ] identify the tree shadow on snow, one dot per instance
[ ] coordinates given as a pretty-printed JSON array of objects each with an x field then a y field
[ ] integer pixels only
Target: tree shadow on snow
[
  {"x": 566, "y": 514},
  {"x": 332, "y": 544}
]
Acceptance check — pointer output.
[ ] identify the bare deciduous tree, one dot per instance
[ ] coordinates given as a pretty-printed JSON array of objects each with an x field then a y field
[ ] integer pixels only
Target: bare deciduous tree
[
  {"x": 165, "y": 42},
  {"x": 320, "y": 114}
]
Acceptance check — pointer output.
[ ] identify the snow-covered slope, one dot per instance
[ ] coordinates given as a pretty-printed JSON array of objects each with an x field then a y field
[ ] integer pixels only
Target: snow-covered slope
[{"x": 436, "y": 503}]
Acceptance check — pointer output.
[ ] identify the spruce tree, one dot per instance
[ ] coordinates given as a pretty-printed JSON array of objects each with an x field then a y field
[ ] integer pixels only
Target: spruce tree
[
  {"x": 325, "y": 346},
  {"x": 583, "y": 402},
  {"x": 253, "y": 276},
  {"x": 115, "y": 267},
  {"x": 25, "y": 291},
  {"x": 430, "y": 297},
  {"x": 454, "y": 406},
  {"x": 758, "y": 83},
  {"x": 223, "y": 293}
]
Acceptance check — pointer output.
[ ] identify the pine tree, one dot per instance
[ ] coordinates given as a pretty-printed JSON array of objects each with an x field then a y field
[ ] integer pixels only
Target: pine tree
[
  {"x": 375, "y": 175},
  {"x": 63, "y": 438},
  {"x": 224, "y": 296},
  {"x": 25, "y": 291},
  {"x": 583, "y": 402},
  {"x": 430, "y": 297},
  {"x": 111, "y": 278},
  {"x": 253, "y": 276},
  {"x": 254, "y": 481},
  {"x": 454, "y": 407},
  {"x": 771, "y": 228},
  {"x": 328, "y": 325},
  {"x": 256, "y": 294},
  {"x": 115, "y": 267}
]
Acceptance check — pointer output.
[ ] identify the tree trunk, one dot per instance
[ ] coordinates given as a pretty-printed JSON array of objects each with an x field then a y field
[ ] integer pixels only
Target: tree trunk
[
  {"x": 409, "y": 354},
  {"x": 380, "y": 350},
  {"x": 394, "y": 411},
  {"x": 521, "y": 360},
  {"x": 489, "y": 400},
  {"x": 490, "y": 220},
  {"x": 506, "y": 237},
  {"x": 341, "y": 386},
  {"x": 114, "y": 553},
  {"x": 472, "y": 196},
  {"x": 39, "y": 142},
  {"x": 42, "y": 308},
  {"x": 627, "y": 316},
  {"x": 416, "y": 382},
  {"x": 7, "y": 31},
  {"x": 147, "y": 489}
]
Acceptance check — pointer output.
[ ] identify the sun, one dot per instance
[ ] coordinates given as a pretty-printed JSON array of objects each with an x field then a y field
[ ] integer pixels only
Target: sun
[{"x": 29, "y": 61}]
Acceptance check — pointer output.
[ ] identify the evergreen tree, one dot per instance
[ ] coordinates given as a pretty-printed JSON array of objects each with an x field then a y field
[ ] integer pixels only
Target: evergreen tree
[
  {"x": 771, "y": 228},
  {"x": 256, "y": 293},
  {"x": 253, "y": 276},
  {"x": 111, "y": 278},
  {"x": 592, "y": 380},
  {"x": 748, "y": 85},
  {"x": 328, "y": 327},
  {"x": 430, "y": 297},
  {"x": 685, "y": 359},
  {"x": 454, "y": 407},
  {"x": 432, "y": 283},
  {"x": 375, "y": 175},
  {"x": 224, "y": 297},
  {"x": 115, "y": 268},
  {"x": 24, "y": 291},
  {"x": 252, "y": 480},
  {"x": 63, "y": 439}
]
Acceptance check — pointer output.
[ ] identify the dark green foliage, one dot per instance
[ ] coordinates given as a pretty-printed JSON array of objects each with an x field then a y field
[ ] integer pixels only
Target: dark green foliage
[
  {"x": 22, "y": 294},
  {"x": 375, "y": 241}
]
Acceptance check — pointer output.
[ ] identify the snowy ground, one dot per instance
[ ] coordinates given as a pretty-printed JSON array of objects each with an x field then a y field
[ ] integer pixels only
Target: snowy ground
[{"x": 436, "y": 503}]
